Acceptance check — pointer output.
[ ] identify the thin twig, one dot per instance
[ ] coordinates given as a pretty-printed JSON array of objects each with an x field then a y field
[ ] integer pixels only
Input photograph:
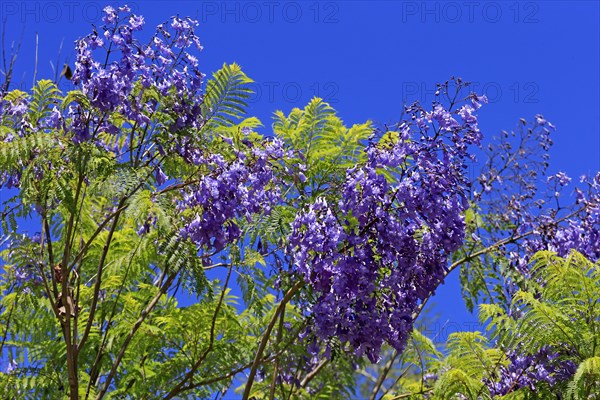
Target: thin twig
[
  {"x": 309, "y": 377},
  {"x": 35, "y": 64}
]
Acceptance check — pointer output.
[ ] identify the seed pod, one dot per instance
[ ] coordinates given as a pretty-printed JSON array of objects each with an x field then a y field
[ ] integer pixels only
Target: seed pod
[{"x": 67, "y": 72}]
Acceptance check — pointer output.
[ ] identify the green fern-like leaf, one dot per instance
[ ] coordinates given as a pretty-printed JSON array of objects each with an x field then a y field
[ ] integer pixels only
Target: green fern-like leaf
[
  {"x": 226, "y": 96},
  {"x": 586, "y": 381},
  {"x": 456, "y": 382},
  {"x": 45, "y": 94}
]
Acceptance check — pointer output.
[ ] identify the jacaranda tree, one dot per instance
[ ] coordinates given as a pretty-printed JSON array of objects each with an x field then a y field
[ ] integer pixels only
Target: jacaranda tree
[{"x": 154, "y": 194}]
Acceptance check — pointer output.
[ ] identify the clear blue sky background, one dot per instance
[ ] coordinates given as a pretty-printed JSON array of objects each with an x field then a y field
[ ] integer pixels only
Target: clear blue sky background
[{"x": 369, "y": 57}]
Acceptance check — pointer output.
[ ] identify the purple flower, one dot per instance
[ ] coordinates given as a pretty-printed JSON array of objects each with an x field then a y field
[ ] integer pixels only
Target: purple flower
[
  {"x": 111, "y": 86},
  {"x": 11, "y": 367},
  {"x": 54, "y": 120},
  {"x": 160, "y": 176},
  {"x": 561, "y": 178},
  {"x": 232, "y": 190},
  {"x": 20, "y": 275},
  {"x": 477, "y": 100},
  {"x": 136, "y": 22},
  {"x": 443, "y": 118},
  {"x": 525, "y": 370},
  {"x": 110, "y": 15},
  {"x": 36, "y": 238}
]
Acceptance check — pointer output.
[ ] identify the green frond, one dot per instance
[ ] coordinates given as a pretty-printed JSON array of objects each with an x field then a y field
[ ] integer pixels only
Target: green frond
[
  {"x": 18, "y": 152},
  {"x": 456, "y": 382},
  {"x": 226, "y": 96},
  {"x": 468, "y": 351},
  {"x": 327, "y": 146},
  {"x": 16, "y": 95},
  {"x": 76, "y": 96},
  {"x": 62, "y": 192},
  {"x": 542, "y": 324},
  {"x": 586, "y": 381},
  {"x": 302, "y": 127},
  {"x": 182, "y": 256},
  {"x": 273, "y": 225},
  {"x": 235, "y": 131},
  {"x": 492, "y": 313},
  {"x": 45, "y": 95},
  {"x": 558, "y": 308},
  {"x": 425, "y": 344},
  {"x": 121, "y": 180}
]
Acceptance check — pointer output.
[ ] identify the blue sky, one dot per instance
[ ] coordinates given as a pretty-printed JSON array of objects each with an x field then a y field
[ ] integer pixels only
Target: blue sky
[{"x": 369, "y": 57}]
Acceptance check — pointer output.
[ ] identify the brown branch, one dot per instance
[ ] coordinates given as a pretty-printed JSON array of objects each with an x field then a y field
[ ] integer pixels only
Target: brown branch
[
  {"x": 94, "y": 304},
  {"x": 71, "y": 347},
  {"x": 243, "y": 367},
  {"x": 402, "y": 374},
  {"x": 309, "y": 377},
  {"x": 276, "y": 366},
  {"x": 95, "y": 370},
  {"x": 52, "y": 296},
  {"x": 266, "y": 336},
  {"x": 14, "y": 305},
  {"x": 383, "y": 375},
  {"x": 407, "y": 395},
  {"x": 46, "y": 230},
  {"x": 145, "y": 312}
]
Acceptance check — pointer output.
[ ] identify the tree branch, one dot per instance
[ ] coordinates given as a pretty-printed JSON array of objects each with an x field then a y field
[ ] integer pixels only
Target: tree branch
[
  {"x": 145, "y": 312},
  {"x": 266, "y": 336}
]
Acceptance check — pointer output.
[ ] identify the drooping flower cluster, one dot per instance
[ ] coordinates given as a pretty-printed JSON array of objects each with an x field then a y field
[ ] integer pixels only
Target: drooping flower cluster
[
  {"x": 530, "y": 370},
  {"x": 382, "y": 248},
  {"x": 228, "y": 191}
]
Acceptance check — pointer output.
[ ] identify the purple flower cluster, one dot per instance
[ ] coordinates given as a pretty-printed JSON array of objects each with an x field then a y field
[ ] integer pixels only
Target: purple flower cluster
[
  {"x": 11, "y": 367},
  {"x": 531, "y": 370},
  {"x": 26, "y": 274},
  {"x": 126, "y": 88},
  {"x": 14, "y": 114},
  {"x": 228, "y": 191},
  {"x": 164, "y": 63},
  {"x": 581, "y": 233},
  {"x": 371, "y": 257}
]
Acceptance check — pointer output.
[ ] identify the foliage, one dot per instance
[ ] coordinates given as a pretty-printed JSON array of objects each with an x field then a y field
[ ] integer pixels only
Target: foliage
[
  {"x": 152, "y": 189},
  {"x": 545, "y": 347}
]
